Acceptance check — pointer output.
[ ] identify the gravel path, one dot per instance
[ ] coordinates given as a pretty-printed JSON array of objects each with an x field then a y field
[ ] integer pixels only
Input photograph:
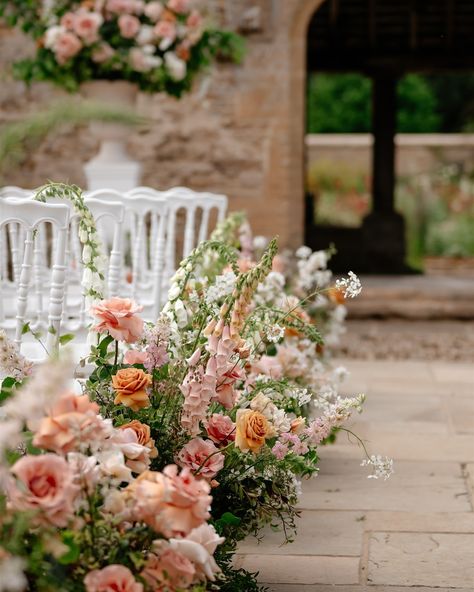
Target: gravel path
[{"x": 408, "y": 340}]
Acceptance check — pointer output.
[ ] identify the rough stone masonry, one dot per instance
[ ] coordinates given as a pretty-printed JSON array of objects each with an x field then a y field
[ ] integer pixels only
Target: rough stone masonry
[{"x": 241, "y": 132}]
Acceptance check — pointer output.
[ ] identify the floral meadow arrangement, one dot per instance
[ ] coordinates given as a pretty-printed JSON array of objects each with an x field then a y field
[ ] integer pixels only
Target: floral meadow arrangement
[
  {"x": 159, "y": 45},
  {"x": 188, "y": 434}
]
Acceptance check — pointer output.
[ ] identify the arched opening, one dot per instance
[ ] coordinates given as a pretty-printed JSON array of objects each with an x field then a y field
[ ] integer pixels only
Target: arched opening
[{"x": 384, "y": 40}]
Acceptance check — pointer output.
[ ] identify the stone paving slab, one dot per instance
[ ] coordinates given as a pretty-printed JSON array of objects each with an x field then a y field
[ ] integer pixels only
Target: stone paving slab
[
  {"x": 414, "y": 532},
  {"x": 406, "y": 446},
  {"x": 331, "y": 588},
  {"x": 325, "y": 533},
  {"x": 299, "y": 569},
  {"x": 422, "y": 559},
  {"x": 415, "y": 487}
]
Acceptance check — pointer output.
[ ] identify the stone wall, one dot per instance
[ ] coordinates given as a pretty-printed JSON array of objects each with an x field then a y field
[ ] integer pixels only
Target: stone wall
[{"x": 241, "y": 132}]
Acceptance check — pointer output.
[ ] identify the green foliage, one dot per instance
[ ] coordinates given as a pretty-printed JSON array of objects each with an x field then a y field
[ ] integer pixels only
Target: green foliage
[
  {"x": 19, "y": 139},
  {"x": 342, "y": 104},
  {"x": 29, "y": 15},
  {"x": 417, "y": 106},
  {"x": 338, "y": 103}
]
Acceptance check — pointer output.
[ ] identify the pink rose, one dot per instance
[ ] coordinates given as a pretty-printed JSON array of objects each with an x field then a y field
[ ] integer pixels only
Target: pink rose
[
  {"x": 44, "y": 483},
  {"x": 68, "y": 20},
  {"x": 102, "y": 53},
  {"x": 132, "y": 356},
  {"x": 171, "y": 503},
  {"x": 169, "y": 571},
  {"x": 118, "y": 317},
  {"x": 86, "y": 26},
  {"x": 153, "y": 10},
  {"x": 220, "y": 428},
  {"x": 129, "y": 25},
  {"x": 72, "y": 419},
  {"x": 179, "y": 6},
  {"x": 268, "y": 365},
  {"x": 279, "y": 264},
  {"x": 194, "y": 20},
  {"x": 113, "y": 578},
  {"x": 199, "y": 547},
  {"x": 125, "y": 6},
  {"x": 67, "y": 45},
  {"x": 202, "y": 457},
  {"x": 165, "y": 30}
]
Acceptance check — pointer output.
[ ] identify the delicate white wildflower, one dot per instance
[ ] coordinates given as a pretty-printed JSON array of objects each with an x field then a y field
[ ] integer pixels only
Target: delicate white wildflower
[
  {"x": 12, "y": 362},
  {"x": 275, "y": 333},
  {"x": 340, "y": 374},
  {"x": 180, "y": 313},
  {"x": 303, "y": 252},
  {"x": 382, "y": 466},
  {"x": 176, "y": 67},
  {"x": 260, "y": 242},
  {"x": 52, "y": 34},
  {"x": 12, "y": 577},
  {"x": 222, "y": 287},
  {"x": 350, "y": 286}
]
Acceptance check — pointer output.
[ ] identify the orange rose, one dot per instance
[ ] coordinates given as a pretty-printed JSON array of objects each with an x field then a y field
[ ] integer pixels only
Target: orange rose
[
  {"x": 130, "y": 384},
  {"x": 143, "y": 435},
  {"x": 336, "y": 296},
  {"x": 252, "y": 427}
]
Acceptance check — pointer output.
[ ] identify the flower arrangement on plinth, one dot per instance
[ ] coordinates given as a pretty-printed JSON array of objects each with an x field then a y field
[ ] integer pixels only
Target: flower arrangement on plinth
[
  {"x": 190, "y": 434},
  {"x": 159, "y": 45}
]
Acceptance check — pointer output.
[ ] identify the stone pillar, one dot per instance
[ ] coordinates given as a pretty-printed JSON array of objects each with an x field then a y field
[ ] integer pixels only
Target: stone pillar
[{"x": 384, "y": 229}]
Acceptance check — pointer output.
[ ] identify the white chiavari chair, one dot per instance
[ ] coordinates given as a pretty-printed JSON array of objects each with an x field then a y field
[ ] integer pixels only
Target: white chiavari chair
[
  {"x": 144, "y": 243},
  {"x": 31, "y": 215}
]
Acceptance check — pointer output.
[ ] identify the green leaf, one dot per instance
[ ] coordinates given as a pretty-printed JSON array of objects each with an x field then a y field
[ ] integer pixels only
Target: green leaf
[
  {"x": 230, "y": 519},
  {"x": 64, "y": 339},
  {"x": 51, "y": 330},
  {"x": 72, "y": 555},
  {"x": 7, "y": 387},
  {"x": 25, "y": 328}
]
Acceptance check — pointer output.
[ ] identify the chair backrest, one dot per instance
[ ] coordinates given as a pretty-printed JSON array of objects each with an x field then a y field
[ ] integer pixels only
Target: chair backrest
[
  {"x": 144, "y": 239},
  {"x": 190, "y": 203},
  {"x": 13, "y": 191},
  {"x": 30, "y": 215},
  {"x": 109, "y": 217}
]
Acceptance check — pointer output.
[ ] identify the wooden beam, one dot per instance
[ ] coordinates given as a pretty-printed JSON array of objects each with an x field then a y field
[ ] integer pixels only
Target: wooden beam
[{"x": 384, "y": 115}]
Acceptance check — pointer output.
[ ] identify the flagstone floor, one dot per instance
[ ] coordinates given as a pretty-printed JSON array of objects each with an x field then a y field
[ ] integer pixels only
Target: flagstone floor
[{"x": 414, "y": 532}]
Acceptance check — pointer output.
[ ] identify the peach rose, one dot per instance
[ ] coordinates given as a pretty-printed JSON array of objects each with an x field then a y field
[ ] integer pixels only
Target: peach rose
[
  {"x": 298, "y": 425},
  {"x": 44, "y": 483},
  {"x": 202, "y": 457},
  {"x": 179, "y": 6},
  {"x": 71, "y": 420},
  {"x": 118, "y": 317},
  {"x": 169, "y": 571},
  {"x": 130, "y": 384},
  {"x": 67, "y": 45},
  {"x": 252, "y": 429},
  {"x": 113, "y": 578},
  {"x": 86, "y": 26},
  {"x": 132, "y": 356},
  {"x": 220, "y": 429},
  {"x": 129, "y": 25},
  {"x": 142, "y": 436},
  {"x": 170, "y": 503}
]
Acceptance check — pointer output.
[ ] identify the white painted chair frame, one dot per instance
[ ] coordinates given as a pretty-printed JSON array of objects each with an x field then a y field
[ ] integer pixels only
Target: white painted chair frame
[{"x": 31, "y": 214}]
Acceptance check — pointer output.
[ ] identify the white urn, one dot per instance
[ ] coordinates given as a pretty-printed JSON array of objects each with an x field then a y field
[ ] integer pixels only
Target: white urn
[{"x": 112, "y": 167}]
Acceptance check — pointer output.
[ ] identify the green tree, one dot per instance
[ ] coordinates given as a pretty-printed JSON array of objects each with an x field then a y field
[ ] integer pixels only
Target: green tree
[{"x": 341, "y": 103}]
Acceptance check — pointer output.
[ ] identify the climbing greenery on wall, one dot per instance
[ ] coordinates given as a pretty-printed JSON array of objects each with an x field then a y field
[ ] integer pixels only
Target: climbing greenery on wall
[{"x": 341, "y": 103}]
